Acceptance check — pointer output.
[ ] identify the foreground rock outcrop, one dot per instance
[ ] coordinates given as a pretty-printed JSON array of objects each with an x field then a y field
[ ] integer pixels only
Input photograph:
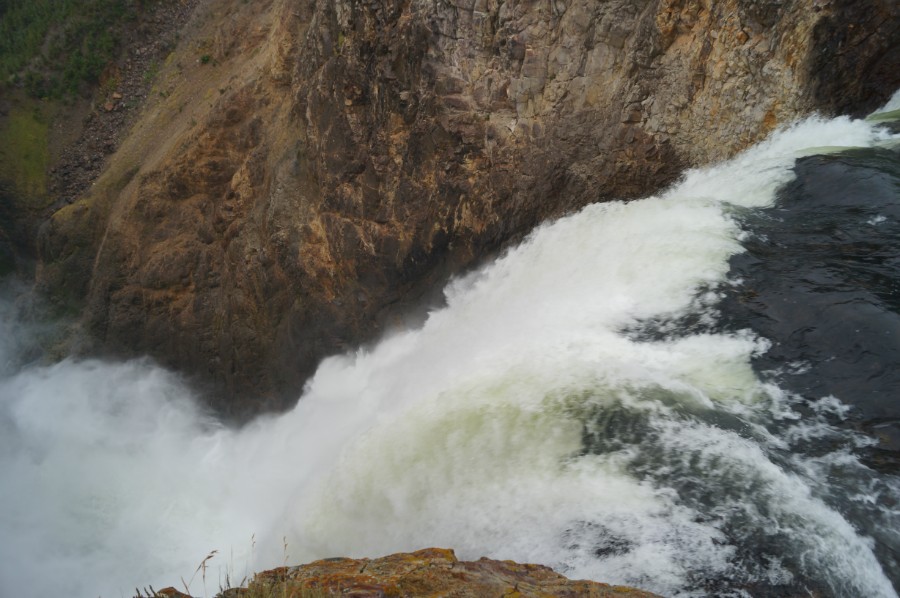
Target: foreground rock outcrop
[
  {"x": 430, "y": 572},
  {"x": 307, "y": 170}
]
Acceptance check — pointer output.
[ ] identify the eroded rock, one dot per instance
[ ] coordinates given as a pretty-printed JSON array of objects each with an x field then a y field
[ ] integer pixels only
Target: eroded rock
[
  {"x": 430, "y": 572},
  {"x": 336, "y": 160}
]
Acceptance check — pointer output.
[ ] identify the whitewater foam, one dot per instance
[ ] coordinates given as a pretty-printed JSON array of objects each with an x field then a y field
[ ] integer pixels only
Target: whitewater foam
[{"x": 528, "y": 419}]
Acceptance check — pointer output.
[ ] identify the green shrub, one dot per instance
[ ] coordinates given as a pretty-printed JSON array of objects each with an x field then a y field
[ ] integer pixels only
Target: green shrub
[
  {"x": 24, "y": 155},
  {"x": 53, "y": 47}
]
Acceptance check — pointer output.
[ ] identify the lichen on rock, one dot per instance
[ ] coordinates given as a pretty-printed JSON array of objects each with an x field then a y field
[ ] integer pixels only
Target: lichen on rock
[{"x": 428, "y": 572}]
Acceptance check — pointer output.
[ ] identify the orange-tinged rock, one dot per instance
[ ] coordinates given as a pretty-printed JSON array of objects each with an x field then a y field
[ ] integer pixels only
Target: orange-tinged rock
[
  {"x": 313, "y": 189},
  {"x": 431, "y": 572},
  {"x": 171, "y": 593}
]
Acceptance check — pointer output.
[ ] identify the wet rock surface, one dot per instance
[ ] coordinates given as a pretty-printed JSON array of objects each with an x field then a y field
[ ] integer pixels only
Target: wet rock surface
[
  {"x": 342, "y": 159},
  {"x": 860, "y": 38}
]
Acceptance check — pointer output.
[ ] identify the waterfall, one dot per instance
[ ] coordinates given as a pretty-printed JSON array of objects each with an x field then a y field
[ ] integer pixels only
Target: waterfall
[{"x": 581, "y": 402}]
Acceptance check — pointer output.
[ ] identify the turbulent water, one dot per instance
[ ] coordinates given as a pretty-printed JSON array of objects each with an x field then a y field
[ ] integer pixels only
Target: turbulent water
[{"x": 691, "y": 393}]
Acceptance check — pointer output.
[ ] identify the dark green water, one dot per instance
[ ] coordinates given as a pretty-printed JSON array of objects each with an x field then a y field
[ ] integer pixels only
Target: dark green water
[{"x": 821, "y": 281}]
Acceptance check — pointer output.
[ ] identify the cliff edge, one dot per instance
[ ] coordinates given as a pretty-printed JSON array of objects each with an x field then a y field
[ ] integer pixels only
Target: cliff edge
[
  {"x": 306, "y": 171},
  {"x": 429, "y": 572}
]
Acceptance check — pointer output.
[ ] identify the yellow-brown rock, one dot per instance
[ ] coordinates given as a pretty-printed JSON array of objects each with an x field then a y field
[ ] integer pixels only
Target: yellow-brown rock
[
  {"x": 331, "y": 162},
  {"x": 433, "y": 572}
]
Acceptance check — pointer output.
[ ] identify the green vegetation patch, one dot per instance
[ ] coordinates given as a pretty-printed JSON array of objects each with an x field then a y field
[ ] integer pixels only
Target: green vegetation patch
[
  {"x": 7, "y": 253},
  {"x": 53, "y": 47},
  {"x": 24, "y": 154}
]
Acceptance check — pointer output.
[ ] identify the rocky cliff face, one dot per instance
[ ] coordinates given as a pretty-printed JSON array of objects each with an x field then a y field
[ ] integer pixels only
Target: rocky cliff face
[{"x": 310, "y": 168}]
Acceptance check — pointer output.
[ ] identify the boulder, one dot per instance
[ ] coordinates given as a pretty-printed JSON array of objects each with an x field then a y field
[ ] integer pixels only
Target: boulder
[{"x": 429, "y": 572}]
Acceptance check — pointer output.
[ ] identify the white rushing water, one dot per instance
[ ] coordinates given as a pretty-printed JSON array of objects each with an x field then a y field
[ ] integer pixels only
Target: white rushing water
[
  {"x": 893, "y": 103},
  {"x": 529, "y": 419}
]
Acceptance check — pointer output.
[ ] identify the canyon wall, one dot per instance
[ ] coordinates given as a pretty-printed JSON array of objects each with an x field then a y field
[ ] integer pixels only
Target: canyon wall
[{"x": 307, "y": 172}]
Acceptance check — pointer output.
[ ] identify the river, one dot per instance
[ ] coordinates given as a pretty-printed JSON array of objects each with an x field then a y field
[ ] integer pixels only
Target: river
[{"x": 694, "y": 393}]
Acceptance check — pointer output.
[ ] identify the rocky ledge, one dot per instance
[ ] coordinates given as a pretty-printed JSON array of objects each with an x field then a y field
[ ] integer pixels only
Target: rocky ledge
[{"x": 429, "y": 572}]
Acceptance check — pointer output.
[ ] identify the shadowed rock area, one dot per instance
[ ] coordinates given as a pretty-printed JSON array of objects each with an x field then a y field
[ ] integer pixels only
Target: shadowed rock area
[{"x": 309, "y": 170}]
